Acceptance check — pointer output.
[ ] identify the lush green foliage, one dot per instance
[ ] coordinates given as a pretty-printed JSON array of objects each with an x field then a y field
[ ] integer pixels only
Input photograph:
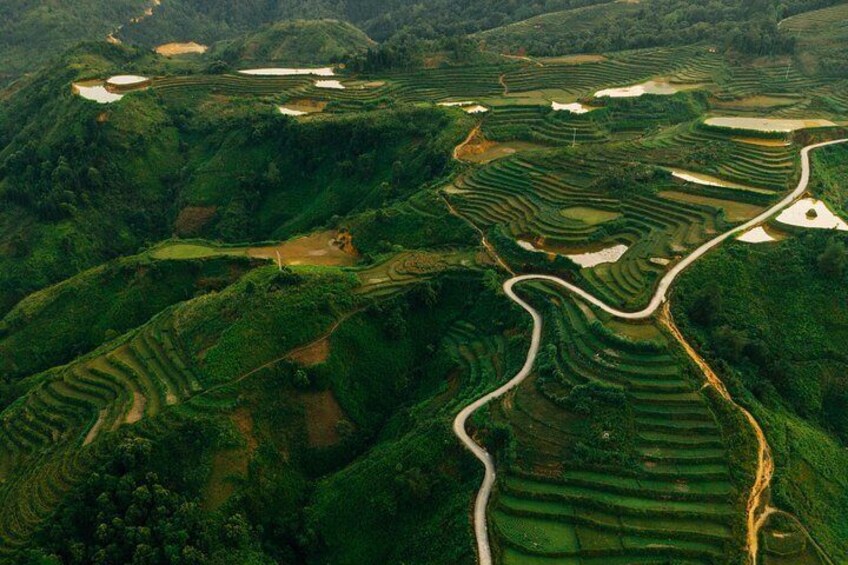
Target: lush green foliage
[
  {"x": 298, "y": 41},
  {"x": 31, "y": 32},
  {"x": 748, "y": 27},
  {"x": 772, "y": 320},
  {"x": 64, "y": 321}
]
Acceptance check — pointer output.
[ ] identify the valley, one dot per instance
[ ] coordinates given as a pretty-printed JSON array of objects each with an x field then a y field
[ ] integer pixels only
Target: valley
[{"x": 282, "y": 290}]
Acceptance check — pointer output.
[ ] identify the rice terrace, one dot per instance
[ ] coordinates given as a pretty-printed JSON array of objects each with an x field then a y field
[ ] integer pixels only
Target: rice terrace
[{"x": 522, "y": 283}]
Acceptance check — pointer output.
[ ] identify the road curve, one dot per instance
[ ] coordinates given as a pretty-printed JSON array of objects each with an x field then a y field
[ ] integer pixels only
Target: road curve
[{"x": 481, "y": 533}]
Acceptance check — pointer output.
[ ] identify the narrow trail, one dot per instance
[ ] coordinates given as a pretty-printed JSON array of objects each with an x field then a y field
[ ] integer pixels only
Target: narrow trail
[
  {"x": 765, "y": 462},
  {"x": 474, "y": 131},
  {"x": 523, "y": 58},
  {"x": 502, "y": 82},
  {"x": 757, "y": 509}
]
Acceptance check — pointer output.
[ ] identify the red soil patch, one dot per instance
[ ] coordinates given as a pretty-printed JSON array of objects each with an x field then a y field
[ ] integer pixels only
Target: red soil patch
[
  {"x": 322, "y": 248},
  {"x": 323, "y": 415},
  {"x": 313, "y": 354},
  {"x": 192, "y": 219}
]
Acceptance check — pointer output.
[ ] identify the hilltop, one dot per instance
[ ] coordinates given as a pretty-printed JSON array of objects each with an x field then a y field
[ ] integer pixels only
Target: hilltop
[{"x": 299, "y": 41}]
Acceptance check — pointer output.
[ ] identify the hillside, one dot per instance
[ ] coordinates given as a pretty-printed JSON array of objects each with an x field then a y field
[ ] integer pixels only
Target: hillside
[
  {"x": 32, "y": 32},
  {"x": 299, "y": 41},
  {"x": 107, "y": 167},
  {"x": 749, "y": 27},
  {"x": 775, "y": 329},
  {"x": 822, "y": 37},
  {"x": 286, "y": 316}
]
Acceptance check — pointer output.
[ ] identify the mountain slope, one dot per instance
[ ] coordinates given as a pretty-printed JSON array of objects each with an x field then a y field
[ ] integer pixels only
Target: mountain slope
[{"x": 298, "y": 41}]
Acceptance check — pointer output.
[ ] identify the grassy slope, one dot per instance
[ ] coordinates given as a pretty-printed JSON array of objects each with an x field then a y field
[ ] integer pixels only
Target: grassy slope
[
  {"x": 32, "y": 32},
  {"x": 111, "y": 179},
  {"x": 56, "y": 324},
  {"x": 537, "y": 34},
  {"x": 399, "y": 421},
  {"x": 778, "y": 337},
  {"x": 822, "y": 39},
  {"x": 298, "y": 41}
]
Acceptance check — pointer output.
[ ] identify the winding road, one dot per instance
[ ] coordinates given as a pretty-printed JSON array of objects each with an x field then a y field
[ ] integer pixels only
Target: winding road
[{"x": 765, "y": 466}]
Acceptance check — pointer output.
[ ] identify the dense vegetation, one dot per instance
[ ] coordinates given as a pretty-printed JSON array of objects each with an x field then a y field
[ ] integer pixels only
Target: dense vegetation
[
  {"x": 177, "y": 401},
  {"x": 96, "y": 185},
  {"x": 298, "y": 41},
  {"x": 31, "y": 32},
  {"x": 773, "y": 322}
]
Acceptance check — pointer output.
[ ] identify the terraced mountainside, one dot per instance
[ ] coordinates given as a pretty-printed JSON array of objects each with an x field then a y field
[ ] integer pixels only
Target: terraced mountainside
[
  {"x": 618, "y": 455},
  {"x": 243, "y": 312}
]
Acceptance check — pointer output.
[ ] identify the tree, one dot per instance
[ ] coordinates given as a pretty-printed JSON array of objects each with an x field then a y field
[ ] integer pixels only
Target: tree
[{"x": 834, "y": 260}]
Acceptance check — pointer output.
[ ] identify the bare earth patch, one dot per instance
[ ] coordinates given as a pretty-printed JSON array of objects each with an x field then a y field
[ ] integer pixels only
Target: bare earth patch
[
  {"x": 573, "y": 59},
  {"x": 95, "y": 429},
  {"x": 478, "y": 149},
  {"x": 319, "y": 248},
  {"x": 171, "y": 49},
  {"x": 313, "y": 354},
  {"x": 323, "y": 415},
  {"x": 137, "y": 409}
]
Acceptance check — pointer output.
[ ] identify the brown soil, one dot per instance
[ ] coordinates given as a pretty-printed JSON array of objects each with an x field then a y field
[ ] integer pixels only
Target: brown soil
[
  {"x": 243, "y": 420},
  {"x": 313, "y": 354},
  {"x": 762, "y": 141},
  {"x": 307, "y": 105},
  {"x": 757, "y": 505},
  {"x": 171, "y": 49},
  {"x": 191, "y": 219},
  {"x": 474, "y": 145},
  {"x": 95, "y": 429},
  {"x": 575, "y": 59},
  {"x": 323, "y": 415},
  {"x": 434, "y": 62},
  {"x": 137, "y": 410},
  {"x": 319, "y": 248}
]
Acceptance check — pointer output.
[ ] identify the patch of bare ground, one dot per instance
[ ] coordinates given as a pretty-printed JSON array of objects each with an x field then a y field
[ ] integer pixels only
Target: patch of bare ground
[
  {"x": 481, "y": 150},
  {"x": 323, "y": 248},
  {"x": 171, "y": 49},
  {"x": 313, "y": 354},
  {"x": 136, "y": 411},
  {"x": 230, "y": 465},
  {"x": 308, "y": 105},
  {"x": 191, "y": 219},
  {"x": 434, "y": 61},
  {"x": 95, "y": 429},
  {"x": 763, "y": 142},
  {"x": 324, "y": 418},
  {"x": 574, "y": 59}
]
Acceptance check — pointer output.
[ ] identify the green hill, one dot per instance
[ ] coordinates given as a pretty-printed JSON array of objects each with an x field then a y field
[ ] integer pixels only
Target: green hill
[
  {"x": 298, "y": 41},
  {"x": 772, "y": 320},
  {"x": 115, "y": 178},
  {"x": 32, "y": 32}
]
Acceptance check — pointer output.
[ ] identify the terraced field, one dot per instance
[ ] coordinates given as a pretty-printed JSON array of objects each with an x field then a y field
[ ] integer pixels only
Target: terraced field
[
  {"x": 405, "y": 268},
  {"x": 530, "y": 196},
  {"x": 47, "y": 440},
  {"x": 645, "y": 482}
]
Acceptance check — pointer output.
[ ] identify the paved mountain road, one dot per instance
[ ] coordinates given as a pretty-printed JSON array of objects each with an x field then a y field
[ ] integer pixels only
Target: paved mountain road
[{"x": 481, "y": 533}]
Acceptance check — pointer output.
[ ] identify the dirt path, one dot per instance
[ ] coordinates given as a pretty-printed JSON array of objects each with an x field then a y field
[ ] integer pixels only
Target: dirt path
[
  {"x": 502, "y": 82},
  {"x": 490, "y": 249},
  {"x": 523, "y": 58},
  {"x": 757, "y": 509},
  {"x": 474, "y": 131},
  {"x": 765, "y": 463}
]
